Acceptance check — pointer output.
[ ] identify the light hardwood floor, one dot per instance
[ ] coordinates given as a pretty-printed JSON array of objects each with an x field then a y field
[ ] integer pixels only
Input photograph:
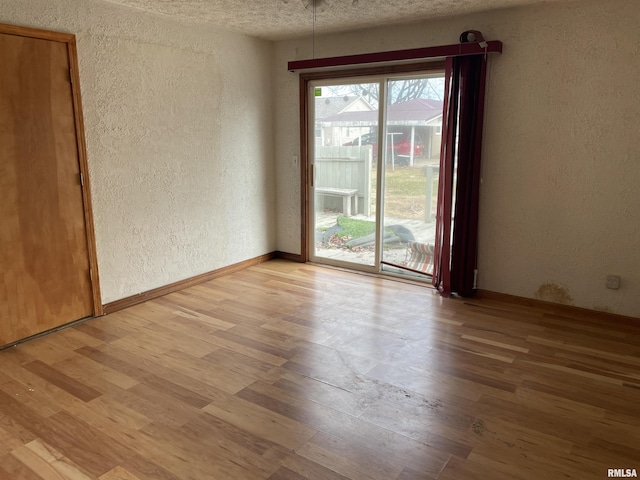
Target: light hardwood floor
[{"x": 288, "y": 371}]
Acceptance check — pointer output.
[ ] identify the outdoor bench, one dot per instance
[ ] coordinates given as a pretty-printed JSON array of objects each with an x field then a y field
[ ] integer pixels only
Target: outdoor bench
[{"x": 345, "y": 193}]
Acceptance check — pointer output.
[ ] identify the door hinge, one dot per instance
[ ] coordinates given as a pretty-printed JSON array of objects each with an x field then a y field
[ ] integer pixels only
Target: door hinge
[
  {"x": 475, "y": 279},
  {"x": 81, "y": 180},
  {"x": 70, "y": 76}
]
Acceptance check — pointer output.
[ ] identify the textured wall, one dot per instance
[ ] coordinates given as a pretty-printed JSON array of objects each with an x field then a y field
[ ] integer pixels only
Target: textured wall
[
  {"x": 560, "y": 195},
  {"x": 178, "y": 120}
]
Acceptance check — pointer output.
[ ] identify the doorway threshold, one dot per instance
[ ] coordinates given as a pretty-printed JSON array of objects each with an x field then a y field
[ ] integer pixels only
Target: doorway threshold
[{"x": 387, "y": 275}]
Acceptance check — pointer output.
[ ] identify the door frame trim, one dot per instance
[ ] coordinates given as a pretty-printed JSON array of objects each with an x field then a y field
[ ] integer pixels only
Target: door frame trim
[
  {"x": 305, "y": 80},
  {"x": 70, "y": 40}
]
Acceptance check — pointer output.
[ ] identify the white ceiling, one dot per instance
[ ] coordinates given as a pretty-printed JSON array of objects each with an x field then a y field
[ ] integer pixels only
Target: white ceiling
[{"x": 281, "y": 19}]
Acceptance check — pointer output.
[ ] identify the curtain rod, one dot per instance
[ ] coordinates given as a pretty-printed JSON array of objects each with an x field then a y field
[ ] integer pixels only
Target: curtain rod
[{"x": 442, "y": 51}]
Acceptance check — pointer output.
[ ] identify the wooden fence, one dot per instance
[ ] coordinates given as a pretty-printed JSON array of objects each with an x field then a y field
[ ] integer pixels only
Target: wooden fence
[{"x": 346, "y": 168}]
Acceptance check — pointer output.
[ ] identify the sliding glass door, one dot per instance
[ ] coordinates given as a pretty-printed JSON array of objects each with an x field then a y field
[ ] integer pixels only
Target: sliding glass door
[
  {"x": 374, "y": 147},
  {"x": 345, "y": 119},
  {"x": 413, "y": 123}
]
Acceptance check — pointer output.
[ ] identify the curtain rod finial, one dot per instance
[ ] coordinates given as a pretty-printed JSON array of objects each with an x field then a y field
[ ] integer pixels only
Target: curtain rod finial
[{"x": 473, "y": 36}]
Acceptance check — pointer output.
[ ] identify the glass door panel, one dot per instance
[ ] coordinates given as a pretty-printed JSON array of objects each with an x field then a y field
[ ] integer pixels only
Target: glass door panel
[
  {"x": 413, "y": 122},
  {"x": 344, "y": 148}
]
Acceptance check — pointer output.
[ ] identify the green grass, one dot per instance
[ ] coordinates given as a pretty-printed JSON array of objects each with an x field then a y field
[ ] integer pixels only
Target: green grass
[
  {"x": 406, "y": 192},
  {"x": 405, "y": 181},
  {"x": 355, "y": 228}
]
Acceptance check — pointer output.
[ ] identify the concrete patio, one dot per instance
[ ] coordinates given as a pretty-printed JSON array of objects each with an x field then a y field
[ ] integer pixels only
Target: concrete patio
[{"x": 396, "y": 253}]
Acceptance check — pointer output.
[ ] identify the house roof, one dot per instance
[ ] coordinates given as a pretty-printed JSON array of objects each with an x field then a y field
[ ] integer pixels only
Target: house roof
[
  {"x": 331, "y": 106},
  {"x": 419, "y": 111}
]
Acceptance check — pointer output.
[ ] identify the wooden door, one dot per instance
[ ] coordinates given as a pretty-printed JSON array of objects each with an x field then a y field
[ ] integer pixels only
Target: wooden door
[{"x": 44, "y": 257}]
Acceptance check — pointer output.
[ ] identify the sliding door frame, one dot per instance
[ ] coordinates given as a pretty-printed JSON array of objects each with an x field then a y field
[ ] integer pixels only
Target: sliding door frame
[
  {"x": 305, "y": 143},
  {"x": 361, "y": 80}
]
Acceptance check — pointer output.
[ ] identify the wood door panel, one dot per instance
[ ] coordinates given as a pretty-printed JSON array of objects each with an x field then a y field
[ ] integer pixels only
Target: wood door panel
[{"x": 44, "y": 262}]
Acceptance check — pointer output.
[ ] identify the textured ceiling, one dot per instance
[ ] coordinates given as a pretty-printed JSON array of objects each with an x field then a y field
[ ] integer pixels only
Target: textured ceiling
[{"x": 281, "y": 19}]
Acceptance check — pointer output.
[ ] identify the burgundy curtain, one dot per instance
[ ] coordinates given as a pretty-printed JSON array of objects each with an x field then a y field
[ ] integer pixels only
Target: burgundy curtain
[{"x": 458, "y": 192}]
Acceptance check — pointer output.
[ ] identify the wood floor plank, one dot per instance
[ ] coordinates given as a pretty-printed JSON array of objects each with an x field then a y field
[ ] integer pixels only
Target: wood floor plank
[
  {"x": 232, "y": 311},
  {"x": 93, "y": 374},
  {"x": 283, "y": 473},
  {"x": 247, "y": 349},
  {"x": 552, "y": 404},
  {"x": 310, "y": 470},
  {"x": 261, "y": 421},
  {"x": 18, "y": 355},
  {"x": 345, "y": 465},
  {"x": 102, "y": 331},
  {"x": 43, "y": 349},
  {"x": 267, "y": 341},
  {"x": 30, "y": 397},
  {"x": 145, "y": 469},
  {"x": 4, "y": 475},
  {"x": 13, "y": 469},
  {"x": 534, "y": 419},
  {"x": 426, "y": 382},
  {"x": 350, "y": 429},
  {"x": 8, "y": 442},
  {"x": 458, "y": 469},
  {"x": 201, "y": 369},
  {"x": 19, "y": 419},
  {"x": 532, "y": 467},
  {"x": 409, "y": 474},
  {"x": 186, "y": 321},
  {"x": 495, "y": 438},
  {"x": 324, "y": 359},
  {"x": 244, "y": 366},
  {"x": 287, "y": 371},
  {"x": 73, "y": 338},
  {"x": 123, "y": 323},
  {"x": 312, "y": 390},
  {"x": 142, "y": 369},
  {"x": 16, "y": 433},
  {"x": 162, "y": 337},
  {"x": 389, "y": 466},
  {"x": 46, "y": 395},
  {"x": 113, "y": 416},
  {"x": 48, "y": 462},
  {"x": 432, "y": 430},
  {"x": 204, "y": 460},
  {"x": 119, "y": 473}
]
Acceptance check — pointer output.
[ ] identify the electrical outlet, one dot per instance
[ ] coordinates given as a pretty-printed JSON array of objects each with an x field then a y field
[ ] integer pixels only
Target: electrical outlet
[{"x": 613, "y": 282}]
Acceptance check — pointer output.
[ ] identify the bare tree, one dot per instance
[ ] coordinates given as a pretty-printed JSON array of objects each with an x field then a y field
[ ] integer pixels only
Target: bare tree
[{"x": 399, "y": 90}]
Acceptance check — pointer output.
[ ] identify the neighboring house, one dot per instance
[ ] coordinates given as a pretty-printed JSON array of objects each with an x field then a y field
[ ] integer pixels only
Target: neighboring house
[
  {"x": 423, "y": 115},
  {"x": 329, "y": 135},
  {"x": 420, "y": 119}
]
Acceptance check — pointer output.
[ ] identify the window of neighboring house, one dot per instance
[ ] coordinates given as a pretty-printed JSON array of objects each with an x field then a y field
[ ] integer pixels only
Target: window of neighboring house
[{"x": 438, "y": 129}]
